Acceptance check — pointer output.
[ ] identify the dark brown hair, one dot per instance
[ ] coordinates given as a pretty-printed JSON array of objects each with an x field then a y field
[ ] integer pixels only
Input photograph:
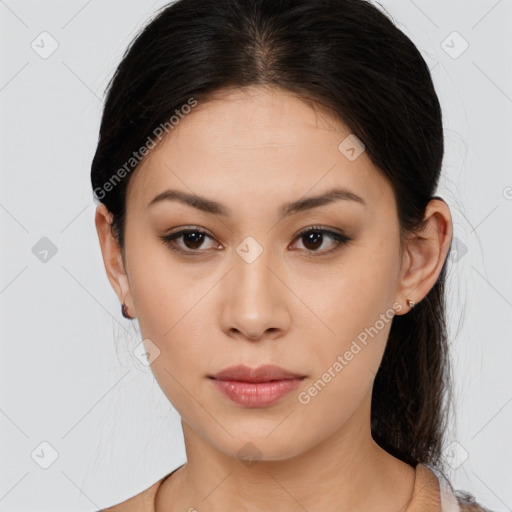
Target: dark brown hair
[{"x": 348, "y": 56}]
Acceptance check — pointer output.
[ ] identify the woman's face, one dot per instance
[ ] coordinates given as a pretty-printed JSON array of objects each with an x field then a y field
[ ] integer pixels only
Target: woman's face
[{"x": 252, "y": 291}]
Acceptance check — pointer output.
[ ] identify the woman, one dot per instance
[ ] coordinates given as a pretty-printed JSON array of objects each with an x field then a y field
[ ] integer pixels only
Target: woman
[{"x": 266, "y": 174}]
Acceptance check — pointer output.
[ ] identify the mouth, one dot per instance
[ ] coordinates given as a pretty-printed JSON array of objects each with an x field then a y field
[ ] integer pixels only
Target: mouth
[
  {"x": 256, "y": 387},
  {"x": 265, "y": 373}
]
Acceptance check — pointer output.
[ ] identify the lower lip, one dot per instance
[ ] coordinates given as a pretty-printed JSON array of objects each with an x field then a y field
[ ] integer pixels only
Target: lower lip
[{"x": 256, "y": 394}]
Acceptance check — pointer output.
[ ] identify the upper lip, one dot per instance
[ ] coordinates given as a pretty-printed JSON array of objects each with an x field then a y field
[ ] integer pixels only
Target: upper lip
[{"x": 263, "y": 373}]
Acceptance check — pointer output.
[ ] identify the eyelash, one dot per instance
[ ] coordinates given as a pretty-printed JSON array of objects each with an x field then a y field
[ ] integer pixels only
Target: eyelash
[{"x": 339, "y": 238}]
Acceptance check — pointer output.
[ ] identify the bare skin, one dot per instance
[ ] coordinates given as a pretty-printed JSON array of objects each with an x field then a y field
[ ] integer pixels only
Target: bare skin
[{"x": 295, "y": 305}]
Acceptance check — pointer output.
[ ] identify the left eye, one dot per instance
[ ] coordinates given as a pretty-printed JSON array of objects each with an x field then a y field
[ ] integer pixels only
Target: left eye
[{"x": 314, "y": 238}]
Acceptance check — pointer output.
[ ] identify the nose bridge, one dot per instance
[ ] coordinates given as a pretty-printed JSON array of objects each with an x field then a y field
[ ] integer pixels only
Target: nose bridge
[
  {"x": 252, "y": 274},
  {"x": 252, "y": 268},
  {"x": 256, "y": 302}
]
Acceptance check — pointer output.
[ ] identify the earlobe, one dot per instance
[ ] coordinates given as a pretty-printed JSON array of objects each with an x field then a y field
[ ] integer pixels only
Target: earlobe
[
  {"x": 425, "y": 254},
  {"x": 112, "y": 255}
]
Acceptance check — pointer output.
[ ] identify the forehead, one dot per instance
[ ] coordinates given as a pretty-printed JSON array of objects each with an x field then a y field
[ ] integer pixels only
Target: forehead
[{"x": 246, "y": 144}]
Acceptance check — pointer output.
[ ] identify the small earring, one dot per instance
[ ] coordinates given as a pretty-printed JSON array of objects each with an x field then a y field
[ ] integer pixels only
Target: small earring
[
  {"x": 124, "y": 311},
  {"x": 410, "y": 303}
]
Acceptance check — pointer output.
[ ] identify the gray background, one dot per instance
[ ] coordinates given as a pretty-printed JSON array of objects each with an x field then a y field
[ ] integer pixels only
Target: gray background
[{"x": 67, "y": 374}]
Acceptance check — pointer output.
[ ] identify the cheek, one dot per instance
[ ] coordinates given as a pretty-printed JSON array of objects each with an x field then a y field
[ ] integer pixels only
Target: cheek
[
  {"x": 172, "y": 315},
  {"x": 354, "y": 306},
  {"x": 161, "y": 292},
  {"x": 350, "y": 295},
  {"x": 171, "y": 312},
  {"x": 345, "y": 367},
  {"x": 171, "y": 308}
]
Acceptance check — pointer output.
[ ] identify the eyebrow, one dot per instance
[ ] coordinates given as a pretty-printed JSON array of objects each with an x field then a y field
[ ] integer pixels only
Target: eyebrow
[{"x": 210, "y": 206}]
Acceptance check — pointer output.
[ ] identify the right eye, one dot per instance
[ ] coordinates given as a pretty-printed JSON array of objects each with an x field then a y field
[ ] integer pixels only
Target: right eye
[{"x": 192, "y": 240}]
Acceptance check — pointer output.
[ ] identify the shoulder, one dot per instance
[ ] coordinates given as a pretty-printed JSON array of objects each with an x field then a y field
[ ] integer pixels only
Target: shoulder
[
  {"x": 467, "y": 502},
  {"x": 431, "y": 487},
  {"x": 142, "y": 502}
]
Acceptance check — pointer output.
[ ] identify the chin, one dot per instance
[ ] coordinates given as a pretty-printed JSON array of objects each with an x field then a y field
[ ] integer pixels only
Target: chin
[{"x": 251, "y": 446}]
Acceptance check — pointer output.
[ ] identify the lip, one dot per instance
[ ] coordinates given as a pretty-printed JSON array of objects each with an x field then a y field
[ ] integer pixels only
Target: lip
[
  {"x": 256, "y": 387},
  {"x": 265, "y": 373}
]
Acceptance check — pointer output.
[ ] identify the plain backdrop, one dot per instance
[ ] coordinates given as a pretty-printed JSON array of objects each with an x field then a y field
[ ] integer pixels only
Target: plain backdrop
[{"x": 83, "y": 423}]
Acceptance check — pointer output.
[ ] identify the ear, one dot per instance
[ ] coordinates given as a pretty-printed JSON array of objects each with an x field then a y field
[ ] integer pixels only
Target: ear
[
  {"x": 112, "y": 256},
  {"x": 424, "y": 254}
]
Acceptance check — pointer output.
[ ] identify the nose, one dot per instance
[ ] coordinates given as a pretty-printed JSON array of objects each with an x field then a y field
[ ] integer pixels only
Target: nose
[{"x": 256, "y": 299}]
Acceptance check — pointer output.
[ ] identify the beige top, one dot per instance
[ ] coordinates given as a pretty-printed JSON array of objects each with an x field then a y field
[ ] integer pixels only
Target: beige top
[
  {"x": 433, "y": 494},
  {"x": 430, "y": 494}
]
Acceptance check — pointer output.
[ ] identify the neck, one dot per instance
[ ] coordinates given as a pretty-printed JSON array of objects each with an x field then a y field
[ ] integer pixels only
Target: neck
[{"x": 346, "y": 471}]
